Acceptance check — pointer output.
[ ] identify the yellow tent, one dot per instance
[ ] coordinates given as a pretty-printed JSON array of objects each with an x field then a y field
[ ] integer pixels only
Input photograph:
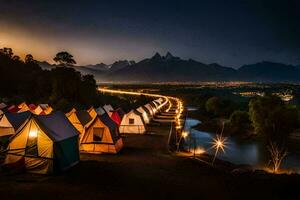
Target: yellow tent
[
  {"x": 79, "y": 119},
  {"x": 101, "y": 135},
  {"x": 92, "y": 112},
  {"x": 45, "y": 144}
]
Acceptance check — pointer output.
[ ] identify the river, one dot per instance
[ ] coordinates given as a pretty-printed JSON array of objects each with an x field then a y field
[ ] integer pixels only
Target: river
[{"x": 238, "y": 152}]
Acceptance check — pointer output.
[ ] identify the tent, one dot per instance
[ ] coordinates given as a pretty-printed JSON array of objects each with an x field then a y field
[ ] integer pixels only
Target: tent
[
  {"x": 79, "y": 119},
  {"x": 116, "y": 117},
  {"x": 11, "y": 122},
  {"x": 108, "y": 109},
  {"x": 47, "y": 109},
  {"x": 144, "y": 113},
  {"x": 45, "y": 144},
  {"x": 120, "y": 112},
  {"x": 154, "y": 107},
  {"x": 150, "y": 109},
  {"x": 43, "y": 109},
  {"x": 132, "y": 122},
  {"x": 13, "y": 109},
  {"x": 101, "y": 135},
  {"x": 2, "y": 106},
  {"x": 92, "y": 111},
  {"x": 39, "y": 110},
  {"x": 71, "y": 112},
  {"x": 23, "y": 107}
]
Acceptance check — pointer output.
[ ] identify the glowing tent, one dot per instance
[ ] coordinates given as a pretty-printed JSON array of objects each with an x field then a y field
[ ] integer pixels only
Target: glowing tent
[
  {"x": 132, "y": 123},
  {"x": 43, "y": 109},
  {"x": 92, "y": 111},
  {"x": 101, "y": 135},
  {"x": 145, "y": 115},
  {"x": 151, "y": 109},
  {"x": 11, "y": 122},
  {"x": 45, "y": 144},
  {"x": 79, "y": 119}
]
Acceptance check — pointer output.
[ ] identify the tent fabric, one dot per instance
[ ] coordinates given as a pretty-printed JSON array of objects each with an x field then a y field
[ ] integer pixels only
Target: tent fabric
[
  {"x": 2, "y": 106},
  {"x": 111, "y": 142},
  {"x": 92, "y": 112},
  {"x": 100, "y": 111},
  {"x": 84, "y": 117},
  {"x": 120, "y": 112},
  {"x": 132, "y": 123},
  {"x": 144, "y": 114},
  {"x": 38, "y": 110},
  {"x": 11, "y": 122},
  {"x": 116, "y": 117},
  {"x": 108, "y": 109},
  {"x": 58, "y": 126},
  {"x": 13, "y": 109},
  {"x": 79, "y": 119},
  {"x": 150, "y": 108},
  {"x": 71, "y": 112},
  {"x": 56, "y": 141}
]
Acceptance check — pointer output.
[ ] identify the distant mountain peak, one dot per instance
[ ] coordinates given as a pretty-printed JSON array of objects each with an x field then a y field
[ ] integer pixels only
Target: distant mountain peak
[
  {"x": 169, "y": 55},
  {"x": 157, "y": 56}
]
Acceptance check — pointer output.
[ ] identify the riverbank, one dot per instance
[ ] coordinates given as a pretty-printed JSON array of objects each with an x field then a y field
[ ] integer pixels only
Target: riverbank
[{"x": 145, "y": 169}]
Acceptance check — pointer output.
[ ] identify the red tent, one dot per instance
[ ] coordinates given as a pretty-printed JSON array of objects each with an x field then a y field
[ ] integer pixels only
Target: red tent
[
  {"x": 116, "y": 117},
  {"x": 32, "y": 107},
  {"x": 13, "y": 109}
]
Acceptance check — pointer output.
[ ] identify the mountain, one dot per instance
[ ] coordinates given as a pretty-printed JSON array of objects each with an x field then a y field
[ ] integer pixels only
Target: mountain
[
  {"x": 269, "y": 72},
  {"x": 100, "y": 67},
  {"x": 120, "y": 65},
  {"x": 169, "y": 68}
]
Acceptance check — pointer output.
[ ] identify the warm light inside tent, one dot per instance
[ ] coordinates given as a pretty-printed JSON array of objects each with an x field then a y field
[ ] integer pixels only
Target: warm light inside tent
[
  {"x": 33, "y": 133},
  {"x": 145, "y": 117},
  {"x": 185, "y": 134}
]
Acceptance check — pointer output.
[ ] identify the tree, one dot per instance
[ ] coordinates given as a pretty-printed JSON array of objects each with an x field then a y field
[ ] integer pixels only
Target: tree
[
  {"x": 64, "y": 58},
  {"x": 29, "y": 59},
  {"x": 7, "y": 51},
  {"x": 273, "y": 119},
  {"x": 219, "y": 107},
  {"x": 239, "y": 122}
]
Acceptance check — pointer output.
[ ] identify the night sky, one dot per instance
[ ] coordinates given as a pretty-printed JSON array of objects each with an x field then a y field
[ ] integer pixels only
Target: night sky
[{"x": 228, "y": 32}]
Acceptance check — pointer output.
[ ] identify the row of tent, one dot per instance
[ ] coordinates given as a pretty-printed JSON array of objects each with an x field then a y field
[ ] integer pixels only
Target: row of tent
[
  {"x": 49, "y": 143},
  {"x": 136, "y": 120},
  {"x": 41, "y": 109}
]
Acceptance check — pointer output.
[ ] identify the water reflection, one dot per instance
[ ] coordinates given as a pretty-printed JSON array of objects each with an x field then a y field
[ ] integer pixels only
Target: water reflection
[{"x": 238, "y": 152}]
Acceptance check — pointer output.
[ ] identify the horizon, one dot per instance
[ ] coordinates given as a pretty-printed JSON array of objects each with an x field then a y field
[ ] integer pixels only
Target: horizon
[{"x": 241, "y": 32}]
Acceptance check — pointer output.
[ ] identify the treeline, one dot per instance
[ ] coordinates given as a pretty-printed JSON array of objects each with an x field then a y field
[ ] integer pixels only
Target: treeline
[
  {"x": 62, "y": 87},
  {"x": 266, "y": 116}
]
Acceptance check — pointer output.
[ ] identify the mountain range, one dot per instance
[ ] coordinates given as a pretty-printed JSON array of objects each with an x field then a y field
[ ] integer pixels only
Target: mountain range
[{"x": 170, "y": 68}]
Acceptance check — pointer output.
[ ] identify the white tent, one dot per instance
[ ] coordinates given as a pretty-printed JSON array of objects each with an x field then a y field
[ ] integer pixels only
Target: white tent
[
  {"x": 150, "y": 108},
  {"x": 143, "y": 110},
  {"x": 132, "y": 123}
]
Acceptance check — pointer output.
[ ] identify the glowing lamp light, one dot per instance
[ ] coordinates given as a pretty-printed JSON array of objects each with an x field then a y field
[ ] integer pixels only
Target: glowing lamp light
[
  {"x": 33, "y": 133},
  {"x": 184, "y": 134}
]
